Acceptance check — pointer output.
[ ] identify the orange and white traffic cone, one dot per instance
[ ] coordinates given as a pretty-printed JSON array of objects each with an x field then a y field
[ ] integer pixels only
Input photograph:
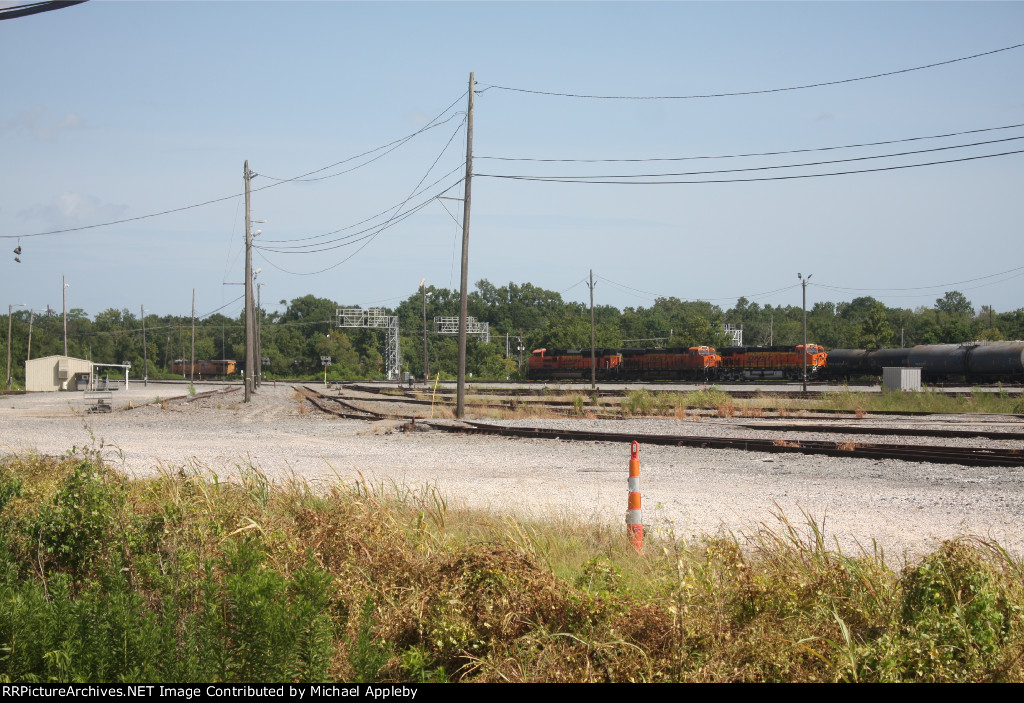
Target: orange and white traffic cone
[{"x": 634, "y": 515}]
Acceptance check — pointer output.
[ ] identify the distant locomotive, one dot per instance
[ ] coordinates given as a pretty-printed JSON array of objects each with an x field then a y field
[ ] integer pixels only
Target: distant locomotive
[
  {"x": 986, "y": 362},
  {"x": 694, "y": 363},
  {"x": 978, "y": 361},
  {"x": 554, "y": 364},
  {"x": 217, "y": 367},
  {"x": 771, "y": 362}
]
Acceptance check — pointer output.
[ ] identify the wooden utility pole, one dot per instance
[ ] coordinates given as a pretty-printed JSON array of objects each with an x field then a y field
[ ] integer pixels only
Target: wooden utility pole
[
  {"x": 64, "y": 294},
  {"x": 7, "y": 378},
  {"x": 249, "y": 357},
  {"x": 192, "y": 370},
  {"x": 593, "y": 351},
  {"x": 28, "y": 354},
  {"x": 426, "y": 351},
  {"x": 460, "y": 403},
  {"x": 803, "y": 282},
  {"x": 145, "y": 352},
  {"x": 258, "y": 378}
]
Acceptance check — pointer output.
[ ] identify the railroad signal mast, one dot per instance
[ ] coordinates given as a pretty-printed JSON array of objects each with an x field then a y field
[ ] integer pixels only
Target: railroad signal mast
[{"x": 376, "y": 318}]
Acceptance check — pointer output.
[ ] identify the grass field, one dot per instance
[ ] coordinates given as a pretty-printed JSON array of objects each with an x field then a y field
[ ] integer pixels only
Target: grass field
[
  {"x": 645, "y": 402},
  {"x": 188, "y": 578}
]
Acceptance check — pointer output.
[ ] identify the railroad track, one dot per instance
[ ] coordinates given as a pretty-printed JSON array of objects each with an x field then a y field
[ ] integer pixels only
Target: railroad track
[
  {"x": 330, "y": 404},
  {"x": 831, "y": 429},
  {"x": 389, "y": 395},
  {"x": 900, "y": 431},
  {"x": 968, "y": 456},
  {"x": 190, "y": 398}
]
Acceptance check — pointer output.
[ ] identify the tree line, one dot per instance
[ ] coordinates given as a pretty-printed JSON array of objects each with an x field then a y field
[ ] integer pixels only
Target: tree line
[{"x": 522, "y": 317}]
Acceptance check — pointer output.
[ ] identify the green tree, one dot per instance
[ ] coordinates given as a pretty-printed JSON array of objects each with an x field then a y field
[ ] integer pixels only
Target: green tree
[
  {"x": 876, "y": 332},
  {"x": 955, "y": 304}
]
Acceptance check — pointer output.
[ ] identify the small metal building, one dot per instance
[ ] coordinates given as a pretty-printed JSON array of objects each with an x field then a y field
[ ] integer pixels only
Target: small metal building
[
  {"x": 57, "y": 373},
  {"x": 901, "y": 379}
]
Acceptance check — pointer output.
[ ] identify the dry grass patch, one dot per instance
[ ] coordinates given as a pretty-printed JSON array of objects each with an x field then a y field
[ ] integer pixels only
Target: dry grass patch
[{"x": 189, "y": 577}]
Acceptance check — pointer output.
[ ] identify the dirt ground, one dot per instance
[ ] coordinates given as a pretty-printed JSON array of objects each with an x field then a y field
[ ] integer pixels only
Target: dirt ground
[{"x": 902, "y": 507}]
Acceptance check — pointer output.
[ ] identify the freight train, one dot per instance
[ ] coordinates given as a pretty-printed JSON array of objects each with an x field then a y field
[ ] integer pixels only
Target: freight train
[
  {"x": 986, "y": 362},
  {"x": 693, "y": 363},
  {"x": 217, "y": 367}
]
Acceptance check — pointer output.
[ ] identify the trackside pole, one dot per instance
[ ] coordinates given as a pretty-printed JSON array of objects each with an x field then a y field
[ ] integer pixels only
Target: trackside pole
[{"x": 634, "y": 519}]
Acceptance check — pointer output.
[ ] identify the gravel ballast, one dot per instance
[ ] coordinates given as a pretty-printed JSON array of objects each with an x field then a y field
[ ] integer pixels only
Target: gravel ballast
[{"x": 902, "y": 507}]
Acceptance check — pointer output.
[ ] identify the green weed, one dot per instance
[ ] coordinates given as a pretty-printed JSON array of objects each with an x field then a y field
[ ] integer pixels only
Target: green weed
[{"x": 187, "y": 577}]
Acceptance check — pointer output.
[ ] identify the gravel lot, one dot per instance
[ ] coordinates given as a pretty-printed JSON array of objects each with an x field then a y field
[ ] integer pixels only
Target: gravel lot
[{"x": 906, "y": 508}]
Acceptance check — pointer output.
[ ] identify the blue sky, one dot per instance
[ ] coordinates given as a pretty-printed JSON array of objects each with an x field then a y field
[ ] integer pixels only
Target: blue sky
[{"x": 113, "y": 110}]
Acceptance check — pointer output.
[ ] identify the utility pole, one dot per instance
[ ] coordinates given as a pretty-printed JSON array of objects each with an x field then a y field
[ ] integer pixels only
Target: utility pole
[
  {"x": 145, "y": 352},
  {"x": 460, "y": 403},
  {"x": 593, "y": 352},
  {"x": 28, "y": 354},
  {"x": 259, "y": 335},
  {"x": 64, "y": 294},
  {"x": 192, "y": 370},
  {"x": 426, "y": 352},
  {"x": 803, "y": 282},
  {"x": 249, "y": 357},
  {"x": 10, "y": 308}
]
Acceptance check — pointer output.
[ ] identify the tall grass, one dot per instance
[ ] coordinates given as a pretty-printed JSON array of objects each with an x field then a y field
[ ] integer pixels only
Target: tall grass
[
  {"x": 190, "y": 578},
  {"x": 977, "y": 401}
]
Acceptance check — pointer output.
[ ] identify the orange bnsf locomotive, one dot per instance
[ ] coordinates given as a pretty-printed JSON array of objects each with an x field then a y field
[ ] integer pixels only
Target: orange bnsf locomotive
[
  {"x": 553, "y": 364},
  {"x": 695, "y": 363},
  {"x": 218, "y": 367},
  {"x": 743, "y": 363}
]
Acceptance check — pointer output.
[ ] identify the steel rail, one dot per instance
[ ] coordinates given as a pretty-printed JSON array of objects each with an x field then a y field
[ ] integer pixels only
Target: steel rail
[
  {"x": 899, "y": 431},
  {"x": 315, "y": 397},
  {"x": 968, "y": 456}
]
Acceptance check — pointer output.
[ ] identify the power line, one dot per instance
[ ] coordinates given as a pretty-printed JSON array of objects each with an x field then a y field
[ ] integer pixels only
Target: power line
[
  {"x": 937, "y": 285},
  {"x": 354, "y": 236},
  {"x": 396, "y": 144},
  {"x": 386, "y": 225},
  {"x": 762, "y": 153},
  {"x": 393, "y": 220},
  {"x": 367, "y": 233},
  {"x": 750, "y": 92},
  {"x": 768, "y": 168},
  {"x": 960, "y": 288},
  {"x": 549, "y": 179},
  {"x": 563, "y": 292},
  {"x": 430, "y": 125},
  {"x": 368, "y": 219},
  {"x": 704, "y": 300},
  {"x": 15, "y": 11}
]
